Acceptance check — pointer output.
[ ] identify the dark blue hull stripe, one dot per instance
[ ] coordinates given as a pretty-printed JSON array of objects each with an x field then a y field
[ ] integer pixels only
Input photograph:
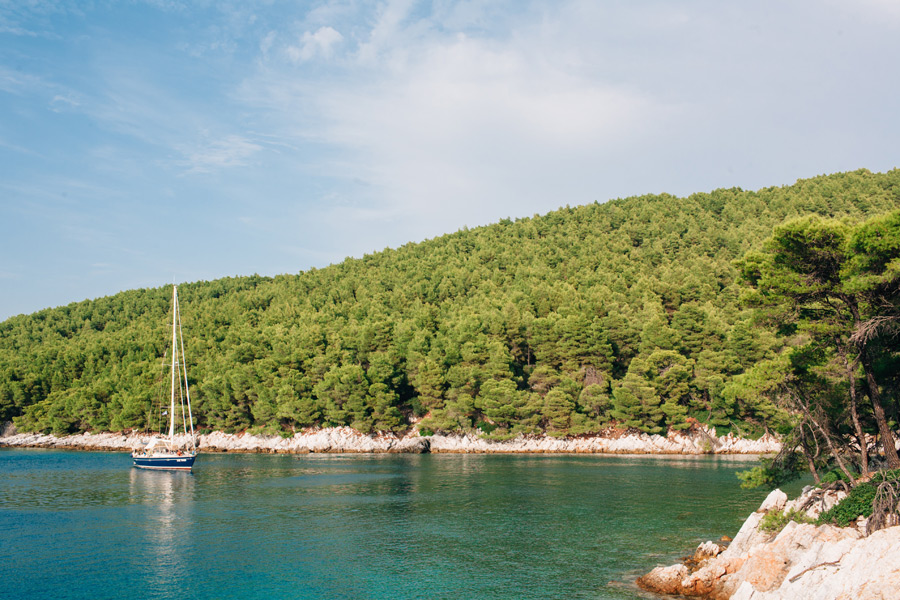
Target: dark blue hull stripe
[{"x": 175, "y": 462}]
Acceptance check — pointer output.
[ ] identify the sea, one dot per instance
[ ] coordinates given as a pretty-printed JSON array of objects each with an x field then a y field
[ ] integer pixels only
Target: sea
[{"x": 87, "y": 525}]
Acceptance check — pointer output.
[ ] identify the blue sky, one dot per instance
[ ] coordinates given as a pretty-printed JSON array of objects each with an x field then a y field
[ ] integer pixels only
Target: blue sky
[{"x": 143, "y": 143}]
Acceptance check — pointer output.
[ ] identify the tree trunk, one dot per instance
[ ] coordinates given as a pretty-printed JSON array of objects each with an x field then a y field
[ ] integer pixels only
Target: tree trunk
[
  {"x": 887, "y": 437},
  {"x": 854, "y": 415},
  {"x": 825, "y": 436},
  {"x": 810, "y": 461}
]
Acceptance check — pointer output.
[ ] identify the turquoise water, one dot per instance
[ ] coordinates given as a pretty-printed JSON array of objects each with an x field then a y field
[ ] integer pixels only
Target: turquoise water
[{"x": 87, "y": 525}]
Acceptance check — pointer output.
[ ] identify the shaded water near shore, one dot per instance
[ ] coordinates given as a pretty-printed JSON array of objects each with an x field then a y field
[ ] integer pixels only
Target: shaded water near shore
[{"x": 87, "y": 525}]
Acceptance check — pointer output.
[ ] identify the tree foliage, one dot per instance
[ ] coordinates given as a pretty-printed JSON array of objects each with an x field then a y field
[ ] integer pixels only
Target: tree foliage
[
  {"x": 625, "y": 313},
  {"x": 831, "y": 288}
]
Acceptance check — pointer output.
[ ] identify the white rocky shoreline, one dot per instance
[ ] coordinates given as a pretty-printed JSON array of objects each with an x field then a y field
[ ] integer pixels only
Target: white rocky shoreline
[
  {"x": 801, "y": 562},
  {"x": 346, "y": 440}
]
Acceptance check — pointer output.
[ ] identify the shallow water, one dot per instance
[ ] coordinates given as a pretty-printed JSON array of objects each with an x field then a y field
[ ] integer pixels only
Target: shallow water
[{"x": 88, "y": 525}]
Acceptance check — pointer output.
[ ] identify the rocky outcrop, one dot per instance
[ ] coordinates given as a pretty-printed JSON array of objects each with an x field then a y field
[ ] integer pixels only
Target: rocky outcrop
[
  {"x": 336, "y": 439},
  {"x": 699, "y": 441},
  {"x": 344, "y": 439},
  {"x": 802, "y": 561}
]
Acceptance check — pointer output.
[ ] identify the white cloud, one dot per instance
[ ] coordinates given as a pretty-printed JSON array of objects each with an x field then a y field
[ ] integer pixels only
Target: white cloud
[
  {"x": 354, "y": 125},
  {"x": 321, "y": 43},
  {"x": 60, "y": 103},
  {"x": 462, "y": 130},
  {"x": 388, "y": 29},
  {"x": 230, "y": 151}
]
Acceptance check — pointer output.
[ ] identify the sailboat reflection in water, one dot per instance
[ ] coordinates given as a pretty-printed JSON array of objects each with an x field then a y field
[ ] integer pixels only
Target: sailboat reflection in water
[{"x": 175, "y": 452}]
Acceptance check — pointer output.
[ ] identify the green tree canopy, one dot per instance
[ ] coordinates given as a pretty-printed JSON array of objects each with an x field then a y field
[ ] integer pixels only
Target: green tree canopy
[{"x": 626, "y": 313}]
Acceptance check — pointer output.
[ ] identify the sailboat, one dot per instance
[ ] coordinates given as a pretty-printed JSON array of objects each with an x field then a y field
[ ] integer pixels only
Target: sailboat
[{"x": 173, "y": 453}]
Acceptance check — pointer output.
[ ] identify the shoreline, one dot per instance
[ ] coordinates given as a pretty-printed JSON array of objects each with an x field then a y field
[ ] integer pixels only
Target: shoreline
[
  {"x": 341, "y": 440},
  {"x": 797, "y": 562}
]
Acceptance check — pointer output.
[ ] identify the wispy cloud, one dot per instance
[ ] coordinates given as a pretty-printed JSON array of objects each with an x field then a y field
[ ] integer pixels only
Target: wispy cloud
[
  {"x": 62, "y": 102},
  {"x": 179, "y": 130},
  {"x": 12, "y": 30},
  {"x": 225, "y": 152},
  {"x": 389, "y": 32},
  {"x": 22, "y": 83}
]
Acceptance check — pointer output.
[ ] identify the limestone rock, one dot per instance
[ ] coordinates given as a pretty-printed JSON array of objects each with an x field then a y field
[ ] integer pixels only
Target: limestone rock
[
  {"x": 701, "y": 440},
  {"x": 664, "y": 580},
  {"x": 707, "y": 550},
  {"x": 838, "y": 567},
  {"x": 814, "y": 501},
  {"x": 706, "y": 580},
  {"x": 702, "y": 555},
  {"x": 419, "y": 445},
  {"x": 803, "y": 561},
  {"x": 747, "y": 537},
  {"x": 774, "y": 501}
]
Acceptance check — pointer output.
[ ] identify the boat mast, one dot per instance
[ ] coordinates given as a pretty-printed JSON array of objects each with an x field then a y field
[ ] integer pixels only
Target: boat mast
[
  {"x": 174, "y": 363},
  {"x": 187, "y": 389}
]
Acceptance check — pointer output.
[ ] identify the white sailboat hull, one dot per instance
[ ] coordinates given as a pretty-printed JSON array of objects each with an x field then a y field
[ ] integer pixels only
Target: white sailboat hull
[{"x": 182, "y": 462}]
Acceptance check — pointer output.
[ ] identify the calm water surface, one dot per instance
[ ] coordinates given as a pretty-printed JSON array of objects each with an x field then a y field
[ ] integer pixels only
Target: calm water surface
[{"x": 88, "y": 525}]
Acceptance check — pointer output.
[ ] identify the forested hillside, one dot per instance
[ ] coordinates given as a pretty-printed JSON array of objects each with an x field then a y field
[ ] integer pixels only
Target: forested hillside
[{"x": 622, "y": 313}]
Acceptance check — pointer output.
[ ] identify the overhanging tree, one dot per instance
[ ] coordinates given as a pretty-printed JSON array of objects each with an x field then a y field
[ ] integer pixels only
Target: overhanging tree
[{"x": 832, "y": 283}]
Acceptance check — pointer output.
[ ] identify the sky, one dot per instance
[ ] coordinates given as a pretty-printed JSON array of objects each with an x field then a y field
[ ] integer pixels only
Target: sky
[{"x": 149, "y": 142}]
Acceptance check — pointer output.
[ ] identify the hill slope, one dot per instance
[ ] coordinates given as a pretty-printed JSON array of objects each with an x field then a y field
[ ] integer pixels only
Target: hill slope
[{"x": 622, "y": 312}]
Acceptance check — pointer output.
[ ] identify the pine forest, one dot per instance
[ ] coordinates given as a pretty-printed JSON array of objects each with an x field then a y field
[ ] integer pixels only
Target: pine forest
[{"x": 647, "y": 313}]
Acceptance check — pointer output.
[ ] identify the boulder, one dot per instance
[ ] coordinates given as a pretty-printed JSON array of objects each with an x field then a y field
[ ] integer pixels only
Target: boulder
[
  {"x": 774, "y": 501},
  {"x": 664, "y": 580},
  {"x": 412, "y": 445},
  {"x": 707, "y": 550},
  {"x": 706, "y": 581}
]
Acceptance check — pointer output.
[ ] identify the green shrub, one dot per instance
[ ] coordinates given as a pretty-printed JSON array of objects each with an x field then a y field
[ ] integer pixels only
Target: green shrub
[
  {"x": 486, "y": 426},
  {"x": 775, "y": 520},
  {"x": 425, "y": 432},
  {"x": 885, "y": 476},
  {"x": 858, "y": 503}
]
